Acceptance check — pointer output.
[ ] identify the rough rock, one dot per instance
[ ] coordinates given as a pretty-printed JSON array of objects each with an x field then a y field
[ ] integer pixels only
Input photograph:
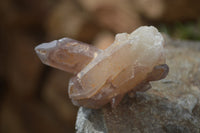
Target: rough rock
[{"x": 171, "y": 106}]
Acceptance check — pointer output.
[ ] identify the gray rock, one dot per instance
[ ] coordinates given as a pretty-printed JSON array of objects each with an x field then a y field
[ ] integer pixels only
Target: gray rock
[{"x": 171, "y": 106}]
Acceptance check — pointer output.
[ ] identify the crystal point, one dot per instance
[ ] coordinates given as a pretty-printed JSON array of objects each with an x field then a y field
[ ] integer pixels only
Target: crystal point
[{"x": 66, "y": 54}]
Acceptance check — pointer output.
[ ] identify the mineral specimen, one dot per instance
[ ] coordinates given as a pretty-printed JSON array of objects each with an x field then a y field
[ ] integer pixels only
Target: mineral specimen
[{"x": 103, "y": 76}]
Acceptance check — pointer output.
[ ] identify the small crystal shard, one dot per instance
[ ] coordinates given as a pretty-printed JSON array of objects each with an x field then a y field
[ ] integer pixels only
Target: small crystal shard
[{"x": 104, "y": 76}]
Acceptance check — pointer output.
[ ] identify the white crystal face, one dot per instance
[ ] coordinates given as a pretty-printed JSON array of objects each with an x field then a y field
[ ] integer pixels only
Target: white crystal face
[{"x": 130, "y": 55}]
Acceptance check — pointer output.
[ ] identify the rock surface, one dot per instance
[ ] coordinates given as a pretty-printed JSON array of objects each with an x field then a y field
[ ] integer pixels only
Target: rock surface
[{"x": 171, "y": 106}]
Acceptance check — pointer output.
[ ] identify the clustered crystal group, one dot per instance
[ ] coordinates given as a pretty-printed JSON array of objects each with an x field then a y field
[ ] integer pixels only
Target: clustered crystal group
[{"x": 103, "y": 76}]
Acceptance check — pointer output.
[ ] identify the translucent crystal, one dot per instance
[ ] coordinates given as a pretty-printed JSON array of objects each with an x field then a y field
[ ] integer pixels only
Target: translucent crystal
[
  {"x": 107, "y": 75},
  {"x": 66, "y": 54}
]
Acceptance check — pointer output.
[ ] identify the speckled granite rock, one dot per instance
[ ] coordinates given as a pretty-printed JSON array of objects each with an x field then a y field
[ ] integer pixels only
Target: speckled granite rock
[{"x": 171, "y": 106}]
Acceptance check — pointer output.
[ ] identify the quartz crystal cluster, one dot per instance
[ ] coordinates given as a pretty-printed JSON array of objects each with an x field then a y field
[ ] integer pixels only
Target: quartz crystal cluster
[{"x": 105, "y": 76}]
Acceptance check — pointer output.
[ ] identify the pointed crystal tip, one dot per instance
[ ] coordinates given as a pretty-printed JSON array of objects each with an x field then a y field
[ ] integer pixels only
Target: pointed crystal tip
[{"x": 43, "y": 49}]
